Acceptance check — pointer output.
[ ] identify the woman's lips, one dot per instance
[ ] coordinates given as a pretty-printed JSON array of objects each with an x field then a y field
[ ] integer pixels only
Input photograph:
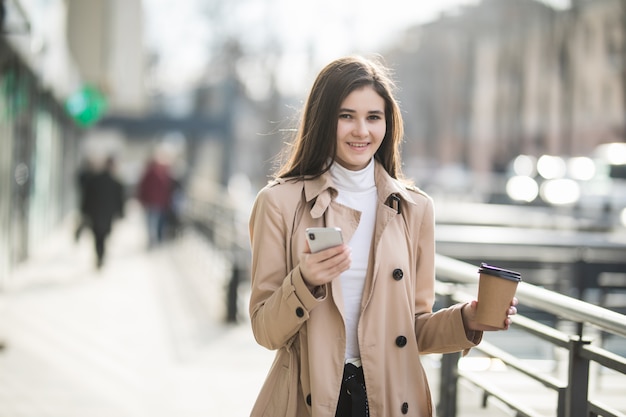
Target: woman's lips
[{"x": 358, "y": 145}]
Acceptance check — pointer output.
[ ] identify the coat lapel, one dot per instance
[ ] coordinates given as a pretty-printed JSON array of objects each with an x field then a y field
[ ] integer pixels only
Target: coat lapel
[
  {"x": 320, "y": 193},
  {"x": 392, "y": 195}
]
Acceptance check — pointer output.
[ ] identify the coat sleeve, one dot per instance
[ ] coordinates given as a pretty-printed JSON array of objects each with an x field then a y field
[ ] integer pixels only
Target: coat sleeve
[
  {"x": 442, "y": 331},
  {"x": 280, "y": 301}
]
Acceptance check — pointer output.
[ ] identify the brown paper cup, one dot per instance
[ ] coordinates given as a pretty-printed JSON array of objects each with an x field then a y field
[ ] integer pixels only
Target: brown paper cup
[{"x": 496, "y": 289}]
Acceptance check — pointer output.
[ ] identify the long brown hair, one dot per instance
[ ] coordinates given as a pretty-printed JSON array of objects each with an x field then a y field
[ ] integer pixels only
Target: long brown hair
[{"x": 315, "y": 140}]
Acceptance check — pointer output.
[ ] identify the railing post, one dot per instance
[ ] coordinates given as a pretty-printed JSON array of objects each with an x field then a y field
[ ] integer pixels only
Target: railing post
[
  {"x": 237, "y": 270},
  {"x": 448, "y": 385},
  {"x": 561, "y": 401},
  {"x": 576, "y": 397},
  {"x": 232, "y": 293},
  {"x": 448, "y": 380}
]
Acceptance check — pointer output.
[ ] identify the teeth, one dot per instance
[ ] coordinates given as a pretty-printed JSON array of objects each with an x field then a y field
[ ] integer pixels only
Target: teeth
[{"x": 359, "y": 145}]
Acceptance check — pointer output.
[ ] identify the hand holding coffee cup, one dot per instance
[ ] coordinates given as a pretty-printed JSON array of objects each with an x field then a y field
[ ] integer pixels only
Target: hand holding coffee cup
[{"x": 496, "y": 294}]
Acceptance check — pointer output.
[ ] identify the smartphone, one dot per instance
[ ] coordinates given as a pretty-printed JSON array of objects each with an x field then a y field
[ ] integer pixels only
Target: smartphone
[{"x": 321, "y": 238}]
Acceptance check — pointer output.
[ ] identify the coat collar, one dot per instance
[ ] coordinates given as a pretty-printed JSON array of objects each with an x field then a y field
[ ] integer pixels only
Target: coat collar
[{"x": 323, "y": 190}]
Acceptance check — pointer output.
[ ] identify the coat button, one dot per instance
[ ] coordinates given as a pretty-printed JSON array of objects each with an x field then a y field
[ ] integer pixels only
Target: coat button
[
  {"x": 300, "y": 312},
  {"x": 398, "y": 274},
  {"x": 308, "y": 399},
  {"x": 405, "y": 408},
  {"x": 400, "y": 341}
]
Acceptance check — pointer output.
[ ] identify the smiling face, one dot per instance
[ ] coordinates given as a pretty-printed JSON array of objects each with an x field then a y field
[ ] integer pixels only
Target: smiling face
[{"x": 361, "y": 128}]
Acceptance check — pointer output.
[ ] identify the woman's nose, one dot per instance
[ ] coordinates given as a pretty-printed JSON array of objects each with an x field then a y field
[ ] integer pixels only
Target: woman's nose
[{"x": 360, "y": 129}]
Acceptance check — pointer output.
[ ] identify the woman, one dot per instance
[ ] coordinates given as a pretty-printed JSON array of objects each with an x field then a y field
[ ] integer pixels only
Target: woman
[{"x": 349, "y": 322}]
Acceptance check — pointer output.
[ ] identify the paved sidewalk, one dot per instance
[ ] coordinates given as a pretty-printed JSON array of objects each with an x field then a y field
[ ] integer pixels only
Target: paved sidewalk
[{"x": 130, "y": 340}]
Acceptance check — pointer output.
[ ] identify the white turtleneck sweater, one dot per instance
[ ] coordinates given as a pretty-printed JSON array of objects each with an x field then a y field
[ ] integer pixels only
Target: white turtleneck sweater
[{"x": 357, "y": 190}]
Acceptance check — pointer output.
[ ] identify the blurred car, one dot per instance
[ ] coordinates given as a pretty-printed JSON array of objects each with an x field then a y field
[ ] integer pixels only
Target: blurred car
[
  {"x": 592, "y": 186},
  {"x": 606, "y": 190}
]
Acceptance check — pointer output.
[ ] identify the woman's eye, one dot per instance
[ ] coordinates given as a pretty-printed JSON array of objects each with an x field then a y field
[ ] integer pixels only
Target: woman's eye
[{"x": 345, "y": 116}]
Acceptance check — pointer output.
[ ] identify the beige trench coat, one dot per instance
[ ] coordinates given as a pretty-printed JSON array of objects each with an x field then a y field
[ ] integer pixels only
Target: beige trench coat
[{"x": 396, "y": 325}]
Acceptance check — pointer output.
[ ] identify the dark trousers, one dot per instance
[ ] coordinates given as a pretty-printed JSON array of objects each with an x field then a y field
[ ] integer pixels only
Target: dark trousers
[
  {"x": 100, "y": 238},
  {"x": 353, "y": 396}
]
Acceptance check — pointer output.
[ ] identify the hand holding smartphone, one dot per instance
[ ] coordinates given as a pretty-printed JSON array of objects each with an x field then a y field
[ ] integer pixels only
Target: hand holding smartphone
[{"x": 321, "y": 238}]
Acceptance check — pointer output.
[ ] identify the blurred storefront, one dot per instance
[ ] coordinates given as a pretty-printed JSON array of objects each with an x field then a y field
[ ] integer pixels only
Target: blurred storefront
[
  {"x": 51, "y": 51},
  {"x": 37, "y": 151}
]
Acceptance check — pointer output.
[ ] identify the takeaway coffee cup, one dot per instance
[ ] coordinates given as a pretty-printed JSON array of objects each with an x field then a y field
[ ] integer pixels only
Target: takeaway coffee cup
[{"x": 496, "y": 289}]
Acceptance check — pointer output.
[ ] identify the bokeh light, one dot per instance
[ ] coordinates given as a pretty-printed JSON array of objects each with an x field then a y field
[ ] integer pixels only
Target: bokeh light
[
  {"x": 522, "y": 188},
  {"x": 525, "y": 165},
  {"x": 581, "y": 168},
  {"x": 551, "y": 167},
  {"x": 561, "y": 191}
]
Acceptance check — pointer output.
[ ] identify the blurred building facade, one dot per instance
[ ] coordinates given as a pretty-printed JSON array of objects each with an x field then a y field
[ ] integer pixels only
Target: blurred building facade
[
  {"x": 105, "y": 38},
  {"x": 506, "y": 77}
]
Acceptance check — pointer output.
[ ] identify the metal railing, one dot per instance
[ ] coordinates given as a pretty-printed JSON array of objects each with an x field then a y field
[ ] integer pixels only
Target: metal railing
[
  {"x": 573, "y": 393},
  {"x": 220, "y": 218},
  {"x": 214, "y": 213}
]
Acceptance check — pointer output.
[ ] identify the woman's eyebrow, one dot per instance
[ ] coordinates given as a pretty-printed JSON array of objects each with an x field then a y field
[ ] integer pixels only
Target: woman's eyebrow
[{"x": 346, "y": 110}]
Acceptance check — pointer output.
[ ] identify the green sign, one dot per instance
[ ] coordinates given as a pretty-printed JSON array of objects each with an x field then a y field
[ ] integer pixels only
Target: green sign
[{"x": 86, "y": 106}]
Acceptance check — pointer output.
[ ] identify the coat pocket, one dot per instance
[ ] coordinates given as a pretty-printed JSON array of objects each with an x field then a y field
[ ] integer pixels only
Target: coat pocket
[{"x": 278, "y": 396}]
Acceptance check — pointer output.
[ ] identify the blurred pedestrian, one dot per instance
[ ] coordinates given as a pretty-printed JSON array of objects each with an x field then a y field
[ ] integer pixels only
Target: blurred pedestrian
[
  {"x": 173, "y": 214},
  {"x": 104, "y": 202},
  {"x": 85, "y": 172},
  {"x": 155, "y": 194},
  {"x": 349, "y": 323}
]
